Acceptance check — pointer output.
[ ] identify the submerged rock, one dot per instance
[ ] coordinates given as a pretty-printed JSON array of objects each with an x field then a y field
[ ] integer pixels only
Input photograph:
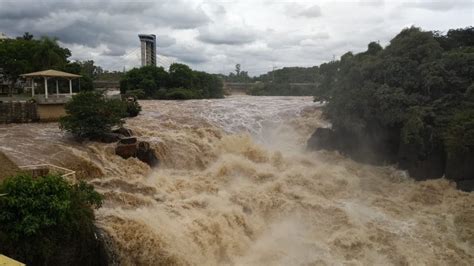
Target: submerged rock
[
  {"x": 123, "y": 131},
  {"x": 126, "y": 148},
  {"x": 130, "y": 147},
  {"x": 110, "y": 138},
  {"x": 376, "y": 149},
  {"x": 146, "y": 154}
]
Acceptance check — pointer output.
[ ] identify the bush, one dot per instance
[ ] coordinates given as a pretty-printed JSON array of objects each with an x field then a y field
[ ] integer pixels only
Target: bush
[
  {"x": 90, "y": 115},
  {"x": 41, "y": 215},
  {"x": 181, "y": 94},
  {"x": 138, "y": 94},
  {"x": 132, "y": 106}
]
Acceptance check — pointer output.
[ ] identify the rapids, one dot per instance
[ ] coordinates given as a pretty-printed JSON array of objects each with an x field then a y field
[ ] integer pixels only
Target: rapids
[{"x": 236, "y": 187}]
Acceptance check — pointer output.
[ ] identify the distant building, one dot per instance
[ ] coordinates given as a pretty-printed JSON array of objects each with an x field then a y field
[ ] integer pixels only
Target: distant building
[{"x": 148, "y": 46}]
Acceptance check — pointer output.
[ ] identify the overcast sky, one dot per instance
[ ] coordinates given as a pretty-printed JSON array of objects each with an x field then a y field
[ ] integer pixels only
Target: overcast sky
[{"x": 215, "y": 35}]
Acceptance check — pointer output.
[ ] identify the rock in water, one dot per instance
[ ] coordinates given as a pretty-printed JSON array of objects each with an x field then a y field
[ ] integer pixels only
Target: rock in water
[
  {"x": 123, "y": 131},
  {"x": 126, "y": 148},
  {"x": 322, "y": 139},
  {"x": 147, "y": 154},
  {"x": 130, "y": 147},
  {"x": 110, "y": 138}
]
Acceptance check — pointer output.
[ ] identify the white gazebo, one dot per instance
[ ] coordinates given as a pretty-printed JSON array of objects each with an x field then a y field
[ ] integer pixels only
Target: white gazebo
[{"x": 48, "y": 74}]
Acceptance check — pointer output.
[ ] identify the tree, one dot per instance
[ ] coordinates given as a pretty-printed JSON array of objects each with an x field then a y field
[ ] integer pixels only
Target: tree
[
  {"x": 409, "y": 102},
  {"x": 180, "y": 83},
  {"x": 180, "y": 76},
  {"x": 23, "y": 55},
  {"x": 237, "y": 70},
  {"x": 90, "y": 115},
  {"x": 27, "y": 36},
  {"x": 45, "y": 216}
]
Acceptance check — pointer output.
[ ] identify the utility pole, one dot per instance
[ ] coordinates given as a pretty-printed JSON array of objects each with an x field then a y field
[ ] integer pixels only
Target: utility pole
[{"x": 273, "y": 73}]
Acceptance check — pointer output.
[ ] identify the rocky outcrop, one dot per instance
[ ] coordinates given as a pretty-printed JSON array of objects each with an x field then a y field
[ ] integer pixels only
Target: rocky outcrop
[
  {"x": 126, "y": 148},
  {"x": 131, "y": 147},
  {"x": 370, "y": 148},
  {"x": 110, "y": 138},
  {"x": 461, "y": 170},
  {"x": 123, "y": 131},
  {"x": 375, "y": 149},
  {"x": 429, "y": 166},
  {"x": 146, "y": 154},
  {"x": 323, "y": 139}
]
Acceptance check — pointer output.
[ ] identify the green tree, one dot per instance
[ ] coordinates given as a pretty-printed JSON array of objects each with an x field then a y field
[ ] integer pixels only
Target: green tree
[
  {"x": 180, "y": 83},
  {"x": 180, "y": 76},
  {"x": 90, "y": 115},
  {"x": 23, "y": 55},
  {"x": 411, "y": 99},
  {"x": 39, "y": 216}
]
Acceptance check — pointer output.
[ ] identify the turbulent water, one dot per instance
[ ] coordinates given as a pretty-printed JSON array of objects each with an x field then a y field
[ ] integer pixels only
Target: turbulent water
[{"x": 236, "y": 187}]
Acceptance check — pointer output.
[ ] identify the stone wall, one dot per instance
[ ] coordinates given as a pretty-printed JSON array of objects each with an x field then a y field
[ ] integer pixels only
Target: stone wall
[{"x": 18, "y": 112}]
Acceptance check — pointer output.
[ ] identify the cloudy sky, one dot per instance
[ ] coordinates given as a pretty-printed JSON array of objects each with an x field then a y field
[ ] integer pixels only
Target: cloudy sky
[{"x": 215, "y": 35}]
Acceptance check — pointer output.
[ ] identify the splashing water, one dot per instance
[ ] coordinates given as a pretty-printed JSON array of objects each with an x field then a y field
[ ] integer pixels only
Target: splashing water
[{"x": 236, "y": 187}]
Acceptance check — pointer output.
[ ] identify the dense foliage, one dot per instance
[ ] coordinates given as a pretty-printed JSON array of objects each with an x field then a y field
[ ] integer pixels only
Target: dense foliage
[
  {"x": 133, "y": 108},
  {"x": 39, "y": 216},
  {"x": 239, "y": 76},
  {"x": 281, "y": 89},
  {"x": 180, "y": 82},
  {"x": 91, "y": 115},
  {"x": 414, "y": 97},
  {"x": 288, "y": 81},
  {"x": 26, "y": 54}
]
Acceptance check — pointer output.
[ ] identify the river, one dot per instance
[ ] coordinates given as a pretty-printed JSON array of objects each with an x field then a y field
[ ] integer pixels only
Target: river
[{"x": 236, "y": 186}]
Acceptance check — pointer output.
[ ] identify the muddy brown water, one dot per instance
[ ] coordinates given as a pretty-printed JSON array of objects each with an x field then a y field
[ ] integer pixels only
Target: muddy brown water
[{"x": 236, "y": 187}]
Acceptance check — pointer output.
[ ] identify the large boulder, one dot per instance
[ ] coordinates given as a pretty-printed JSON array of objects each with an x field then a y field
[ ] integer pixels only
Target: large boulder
[
  {"x": 461, "y": 170},
  {"x": 130, "y": 147},
  {"x": 110, "y": 138},
  {"x": 123, "y": 131},
  {"x": 323, "y": 139},
  {"x": 127, "y": 147},
  {"x": 422, "y": 165},
  {"x": 146, "y": 154}
]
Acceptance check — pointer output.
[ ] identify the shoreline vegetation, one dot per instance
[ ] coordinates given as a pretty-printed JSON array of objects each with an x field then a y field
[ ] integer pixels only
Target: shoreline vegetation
[
  {"x": 410, "y": 103},
  {"x": 180, "y": 82}
]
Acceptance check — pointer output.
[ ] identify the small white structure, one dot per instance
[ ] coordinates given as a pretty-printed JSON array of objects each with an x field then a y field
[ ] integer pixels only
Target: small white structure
[{"x": 48, "y": 74}]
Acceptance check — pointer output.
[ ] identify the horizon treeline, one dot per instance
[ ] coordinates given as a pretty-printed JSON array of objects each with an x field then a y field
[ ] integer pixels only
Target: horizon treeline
[{"x": 180, "y": 82}]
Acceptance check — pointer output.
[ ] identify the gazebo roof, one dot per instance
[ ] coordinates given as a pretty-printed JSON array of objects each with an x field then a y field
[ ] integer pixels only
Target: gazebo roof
[{"x": 51, "y": 73}]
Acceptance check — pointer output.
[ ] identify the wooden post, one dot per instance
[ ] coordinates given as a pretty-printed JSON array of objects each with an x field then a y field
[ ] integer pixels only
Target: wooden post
[
  {"x": 45, "y": 87},
  {"x": 57, "y": 88},
  {"x": 32, "y": 87}
]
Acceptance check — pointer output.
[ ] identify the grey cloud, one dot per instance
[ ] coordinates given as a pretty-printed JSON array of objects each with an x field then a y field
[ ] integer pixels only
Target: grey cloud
[
  {"x": 439, "y": 5},
  {"x": 165, "y": 41},
  {"x": 230, "y": 36},
  {"x": 187, "y": 54},
  {"x": 311, "y": 12},
  {"x": 91, "y": 22},
  {"x": 375, "y": 3}
]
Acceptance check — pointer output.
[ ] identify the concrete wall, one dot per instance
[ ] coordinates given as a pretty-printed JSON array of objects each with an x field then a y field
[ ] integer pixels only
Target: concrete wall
[
  {"x": 51, "y": 112},
  {"x": 7, "y": 167},
  {"x": 18, "y": 112}
]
